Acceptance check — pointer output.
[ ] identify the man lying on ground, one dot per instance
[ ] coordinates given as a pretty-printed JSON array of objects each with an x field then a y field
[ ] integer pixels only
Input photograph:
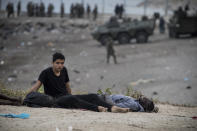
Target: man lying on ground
[{"x": 142, "y": 104}]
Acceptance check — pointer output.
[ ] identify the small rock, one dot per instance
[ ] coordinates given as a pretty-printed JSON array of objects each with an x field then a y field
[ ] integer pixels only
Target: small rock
[
  {"x": 101, "y": 77},
  {"x": 155, "y": 93},
  {"x": 76, "y": 71},
  {"x": 35, "y": 37},
  {"x": 188, "y": 87}
]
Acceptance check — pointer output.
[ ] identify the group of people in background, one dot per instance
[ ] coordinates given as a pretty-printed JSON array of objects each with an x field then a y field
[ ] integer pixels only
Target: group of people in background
[
  {"x": 119, "y": 10},
  {"x": 77, "y": 10},
  {"x": 10, "y": 9}
]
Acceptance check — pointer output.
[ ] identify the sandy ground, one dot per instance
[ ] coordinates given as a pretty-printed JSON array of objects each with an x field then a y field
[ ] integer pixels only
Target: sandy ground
[{"x": 47, "y": 119}]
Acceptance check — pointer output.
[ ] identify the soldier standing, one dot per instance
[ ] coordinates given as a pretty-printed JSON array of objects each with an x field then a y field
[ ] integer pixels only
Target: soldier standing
[
  {"x": 110, "y": 51},
  {"x": 10, "y": 9},
  {"x": 42, "y": 9},
  {"x": 50, "y": 10},
  {"x": 62, "y": 10},
  {"x": 18, "y": 8},
  {"x": 95, "y": 12},
  {"x": 88, "y": 10},
  {"x": 162, "y": 25}
]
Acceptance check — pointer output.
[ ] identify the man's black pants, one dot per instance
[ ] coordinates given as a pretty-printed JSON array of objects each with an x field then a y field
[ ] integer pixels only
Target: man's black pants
[{"x": 89, "y": 102}]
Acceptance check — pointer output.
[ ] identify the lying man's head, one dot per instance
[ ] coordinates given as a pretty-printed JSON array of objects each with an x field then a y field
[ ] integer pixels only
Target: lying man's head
[{"x": 147, "y": 104}]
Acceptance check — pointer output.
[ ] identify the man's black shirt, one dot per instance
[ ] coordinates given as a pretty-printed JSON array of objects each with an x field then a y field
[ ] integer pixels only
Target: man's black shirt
[{"x": 54, "y": 86}]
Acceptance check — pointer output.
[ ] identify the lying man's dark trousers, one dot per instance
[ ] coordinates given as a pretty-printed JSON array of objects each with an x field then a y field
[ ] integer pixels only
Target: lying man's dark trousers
[
  {"x": 89, "y": 101},
  {"x": 6, "y": 100}
]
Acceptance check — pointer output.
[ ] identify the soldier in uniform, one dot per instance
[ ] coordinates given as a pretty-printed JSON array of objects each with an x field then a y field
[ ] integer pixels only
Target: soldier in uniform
[
  {"x": 88, "y": 10},
  {"x": 50, "y": 10},
  {"x": 18, "y": 8},
  {"x": 62, "y": 10},
  {"x": 95, "y": 12},
  {"x": 71, "y": 11},
  {"x": 37, "y": 10},
  {"x": 162, "y": 25},
  {"x": 10, "y": 9},
  {"x": 110, "y": 51},
  {"x": 42, "y": 9}
]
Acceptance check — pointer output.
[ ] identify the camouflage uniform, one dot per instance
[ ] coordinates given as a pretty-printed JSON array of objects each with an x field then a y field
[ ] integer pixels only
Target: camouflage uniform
[{"x": 110, "y": 51}]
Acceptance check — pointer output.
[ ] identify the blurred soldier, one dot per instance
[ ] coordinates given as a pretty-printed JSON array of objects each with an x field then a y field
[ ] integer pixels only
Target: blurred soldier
[
  {"x": 37, "y": 10},
  {"x": 62, "y": 10},
  {"x": 71, "y": 11},
  {"x": 29, "y": 9},
  {"x": 88, "y": 11},
  {"x": 42, "y": 9},
  {"x": 116, "y": 10},
  {"x": 95, "y": 12},
  {"x": 121, "y": 11},
  {"x": 10, "y": 9},
  {"x": 18, "y": 8},
  {"x": 50, "y": 10},
  {"x": 110, "y": 50},
  {"x": 186, "y": 7},
  {"x": 82, "y": 10},
  {"x": 162, "y": 25}
]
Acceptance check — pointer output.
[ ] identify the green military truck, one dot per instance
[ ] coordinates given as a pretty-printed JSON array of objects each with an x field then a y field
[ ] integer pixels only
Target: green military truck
[
  {"x": 182, "y": 25},
  {"x": 124, "y": 31}
]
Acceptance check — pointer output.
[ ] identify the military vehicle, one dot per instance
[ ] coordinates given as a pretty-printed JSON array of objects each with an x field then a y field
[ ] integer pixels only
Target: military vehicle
[
  {"x": 124, "y": 31},
  {"x": 182, "y": 25}
]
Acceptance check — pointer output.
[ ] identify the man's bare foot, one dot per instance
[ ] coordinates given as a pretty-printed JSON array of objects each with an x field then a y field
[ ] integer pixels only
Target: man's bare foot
[
  {"x": 116, "y": 109},
  {"x": 102, "y": 109}
]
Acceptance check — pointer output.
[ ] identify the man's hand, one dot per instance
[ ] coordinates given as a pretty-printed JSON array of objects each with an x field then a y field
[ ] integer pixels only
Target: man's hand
[{"x": 35, "y": 87}]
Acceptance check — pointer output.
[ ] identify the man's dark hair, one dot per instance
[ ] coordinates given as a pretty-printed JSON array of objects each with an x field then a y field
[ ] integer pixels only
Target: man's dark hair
[
  {"x": 58, "y": 56},
  {"x": 147, "y": 104}
]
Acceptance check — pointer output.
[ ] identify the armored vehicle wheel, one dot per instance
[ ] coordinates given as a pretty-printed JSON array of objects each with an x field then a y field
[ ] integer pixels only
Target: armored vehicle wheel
[
  {"x": 141, "y": 37},
  {"x": 104, "y": 39},
  {"x": 123, "y": 38}
]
